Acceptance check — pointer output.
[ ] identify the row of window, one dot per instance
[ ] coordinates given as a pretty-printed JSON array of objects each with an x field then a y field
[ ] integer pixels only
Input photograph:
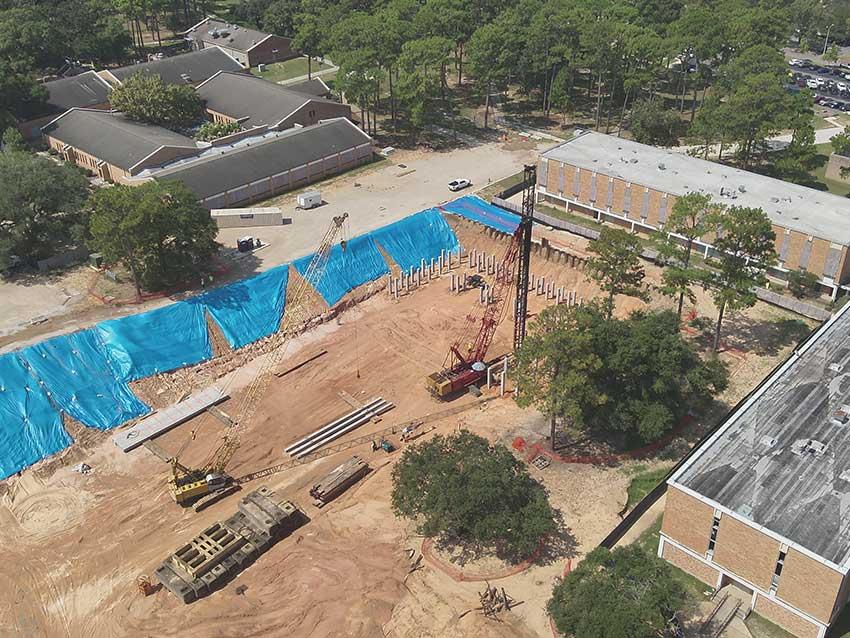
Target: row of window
[{"x": 777, "y": 570}]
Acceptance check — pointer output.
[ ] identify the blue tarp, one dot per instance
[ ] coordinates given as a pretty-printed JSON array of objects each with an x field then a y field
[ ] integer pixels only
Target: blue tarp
[
  {"x": 359, "y": 263},
  {"x": 80, "y": 380},
  {"x": 30, "y": 428},
  {"x": 420, "y": 236},
  {"x": 476, "y": 209},
  {"x": 164, "y": 339},
  {"x": 250, "y": 309}
]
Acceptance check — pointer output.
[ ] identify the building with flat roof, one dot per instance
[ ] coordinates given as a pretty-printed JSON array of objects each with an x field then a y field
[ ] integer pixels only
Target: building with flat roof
[
  {"x": 85, "y": 90},
  {"x": 187, "y": 68},
  {"x": 111, "y": 146},
  {"x": 635, "y": 185},
  {"x": 258, "y": 167},
  {"x": 248, "y": 46},
  {"x": 253, "y": 101},
  {"x": 764, "y": 504}
]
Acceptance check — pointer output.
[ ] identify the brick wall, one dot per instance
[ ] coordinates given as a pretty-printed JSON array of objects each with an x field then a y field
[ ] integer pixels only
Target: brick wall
[
  {"x": 688, "y": 563},
  {"x": 788, "y": 620},
  {"x": 273, "y": 49},
  {"x": 809, "y": 585},
  {"x": 687, "y": 520},
  {"x": 746, "y": 552}
]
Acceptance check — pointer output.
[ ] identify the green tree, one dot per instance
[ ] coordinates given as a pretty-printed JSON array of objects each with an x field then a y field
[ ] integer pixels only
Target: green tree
[
  {"x": 420, "y": 77},
  {"x": 280, "y": 17},
  {"x": 841, "y": 142},
  {"x": 652, "y": 123},
  {"x": 802, "y": 283},
  {"x": 686, "y": 224},
  {"x": 20, "y": 94},
  {"x": 559, "y": 95},
  {"x": 488, "y": 60},
  {"x": 158, "y": 230},
  {"x": 616, "y": 266},
  {"x": 464, "y": 488},
  {"x": 147, "y": 98},
  {"x": 831, "y": 54},
  {"x": 744, "y": 249},
  {"x": 12, "y": 141},
  {"x": 40, "y": 205},
  {"x": 637, "y": 376},
  {"x": 617, "y": 593},
  {"x": 213, "y": 130}
]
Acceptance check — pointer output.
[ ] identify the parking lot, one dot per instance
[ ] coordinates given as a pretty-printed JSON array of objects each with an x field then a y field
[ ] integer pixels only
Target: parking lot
[{"x": 829, "y": 84}]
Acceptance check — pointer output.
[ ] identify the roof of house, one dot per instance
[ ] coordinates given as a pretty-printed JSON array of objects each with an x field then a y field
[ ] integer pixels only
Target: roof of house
[
  {"x": 83, "y": 90},
  {"x": 258, "y": 101},
  {"x": 315, "y": 86},
  {"x": 186, "y": 68},
  {"x": 799, "y": 208},
  {"x": 111, "y": 137},
  {"x": 232, "y": 36},
  {"x": 782, "y": 459},
  {"x": 221, "y": 169}
]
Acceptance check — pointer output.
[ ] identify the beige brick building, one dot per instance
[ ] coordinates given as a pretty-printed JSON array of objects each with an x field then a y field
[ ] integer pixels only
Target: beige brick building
[
  {"x": 763, "y": 505},
  {"x": 635, "y": 186}
]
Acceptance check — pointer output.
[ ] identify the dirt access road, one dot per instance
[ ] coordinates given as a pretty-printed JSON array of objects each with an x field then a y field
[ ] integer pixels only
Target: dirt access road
[{"x": 373, "y": 196}]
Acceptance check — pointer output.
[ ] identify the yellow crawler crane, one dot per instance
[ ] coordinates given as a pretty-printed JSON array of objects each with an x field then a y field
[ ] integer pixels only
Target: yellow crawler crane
[{"x": 203, "y": 486}]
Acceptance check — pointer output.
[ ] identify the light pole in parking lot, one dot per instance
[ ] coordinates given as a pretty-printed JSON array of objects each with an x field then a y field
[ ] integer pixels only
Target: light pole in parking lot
[{"x": 826, "y": 42}]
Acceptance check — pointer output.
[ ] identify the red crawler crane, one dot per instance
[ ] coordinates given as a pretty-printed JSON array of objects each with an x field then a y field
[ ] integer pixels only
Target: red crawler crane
[{"x": 462, "y": 370}]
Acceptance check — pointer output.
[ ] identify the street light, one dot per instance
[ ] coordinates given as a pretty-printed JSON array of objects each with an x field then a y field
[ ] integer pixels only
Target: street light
[{"x": 826, "y": 42}]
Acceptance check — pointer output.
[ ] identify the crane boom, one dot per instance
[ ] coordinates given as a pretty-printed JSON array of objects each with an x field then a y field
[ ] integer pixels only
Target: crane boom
[{"x": 295, "y": 315}]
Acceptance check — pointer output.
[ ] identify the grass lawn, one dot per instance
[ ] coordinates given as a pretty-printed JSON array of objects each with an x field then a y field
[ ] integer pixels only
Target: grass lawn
[
  {"x": 822, "y": 123},
  {"x": 289, "y": 69},
  {"x": 819, "y": 173},
  {"x": 762, "y": 628},
  {"x": 643, "y": 482},
  {"x": 497, "y": 187}
]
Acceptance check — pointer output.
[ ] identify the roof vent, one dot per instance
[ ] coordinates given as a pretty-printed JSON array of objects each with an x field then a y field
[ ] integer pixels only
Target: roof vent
[
  {"x": 742, "y": 189},
  {"x": 661, "y": 166},
  {"x": 808, "y": 447},
  {"x": 775, "y": 200},
  {"x": 634, "y": 160},
  {"x": 768, "y": 441},
  {"x": 186, "y": 77}
]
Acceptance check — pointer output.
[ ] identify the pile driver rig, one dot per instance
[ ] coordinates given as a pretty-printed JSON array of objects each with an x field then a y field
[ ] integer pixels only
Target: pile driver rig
[
  {"x": 463, "y": 370},
  {"x": 203, "y": 486}
]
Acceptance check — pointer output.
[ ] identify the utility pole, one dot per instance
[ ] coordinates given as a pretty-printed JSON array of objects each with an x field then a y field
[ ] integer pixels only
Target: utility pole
[{"x": 826, "y": 42}]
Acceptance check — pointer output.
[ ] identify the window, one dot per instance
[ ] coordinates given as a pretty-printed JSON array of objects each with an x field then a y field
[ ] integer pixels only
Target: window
[
  {"x": 712, "y": 541},
  {"x": 249, "y": 216},
  {"x": 777, "y": 571}
]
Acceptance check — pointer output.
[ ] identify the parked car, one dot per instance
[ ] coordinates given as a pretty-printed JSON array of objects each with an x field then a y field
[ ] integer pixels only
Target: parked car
[
  {"x": 794, "y": 62},
  {"x": 812, "y": 83},
  {"x": 459, "y": 184}
]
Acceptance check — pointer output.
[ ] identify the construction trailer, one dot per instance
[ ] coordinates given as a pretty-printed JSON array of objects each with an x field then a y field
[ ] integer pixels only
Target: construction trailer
[
  {"x": 338, "y": 480},
  {"x": 225, "y": 548},
  {"x": 246, "y": 217}
]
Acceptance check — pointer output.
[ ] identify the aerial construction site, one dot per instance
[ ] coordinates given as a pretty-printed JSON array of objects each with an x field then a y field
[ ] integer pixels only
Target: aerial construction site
[{"x": 246, "y": 491}]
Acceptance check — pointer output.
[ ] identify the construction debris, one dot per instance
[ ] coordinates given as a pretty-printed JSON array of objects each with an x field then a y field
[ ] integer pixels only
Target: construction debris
[
  {"x": 82, "y": 468},
  {"x": 494, "y": 600},
  {"x": 146, "y": 588},
  {"x": 338, "y": 480},
  {"x": 224, "y": 549}
]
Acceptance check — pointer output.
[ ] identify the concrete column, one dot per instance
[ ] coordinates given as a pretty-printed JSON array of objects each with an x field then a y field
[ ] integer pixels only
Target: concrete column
[
  {"x": 489, "y": 376},
  {"x": 481, "y": 295},
  {"x": 502, "y": 384},
  {"x": 441, "y": 263},
  {"x": 431, "y": 270},
  {"x": 395, "y": 289}
]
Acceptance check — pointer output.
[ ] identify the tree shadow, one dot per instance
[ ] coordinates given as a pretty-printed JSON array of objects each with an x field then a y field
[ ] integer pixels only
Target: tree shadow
[
  {"x": 762, "y": 337},
  {"x": 560, "y": 545}
]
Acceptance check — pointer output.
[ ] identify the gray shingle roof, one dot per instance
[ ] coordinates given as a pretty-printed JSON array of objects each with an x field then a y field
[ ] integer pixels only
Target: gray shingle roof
[
  {"x": 782, "y": 460},
  {"x": 112, "y": 137},
  {"x": 196, "y": 65},
  {"x": 240, "y": 95},
  {"x": 799, "y": 208},
  {"x": 231, "y": 36},
  {"x": 232, "y": 168},
  {"x": 83, "y": 90},
  {"x": 315, "y": 87}
]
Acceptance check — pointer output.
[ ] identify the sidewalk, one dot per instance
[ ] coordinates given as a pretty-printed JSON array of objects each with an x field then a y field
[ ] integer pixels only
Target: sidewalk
[{"x": 304, "y": 78}]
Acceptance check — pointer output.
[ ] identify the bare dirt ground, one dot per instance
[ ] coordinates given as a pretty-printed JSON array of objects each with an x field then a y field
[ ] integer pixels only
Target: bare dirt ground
[{"x": 71, "y": 545}]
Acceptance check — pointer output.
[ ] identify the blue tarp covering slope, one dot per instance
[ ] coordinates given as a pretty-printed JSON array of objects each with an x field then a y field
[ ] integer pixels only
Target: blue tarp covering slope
[
  {"x": 30, "y": 428},
  {"x": 250, "y": 309},
  {"x": 477, "y": 210},
  {"x": 359, "y": 263},
  {"x": 157, "y": 341},
  {"x": 420, "y": 236},
  {"x": 80, "y": 381}
]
